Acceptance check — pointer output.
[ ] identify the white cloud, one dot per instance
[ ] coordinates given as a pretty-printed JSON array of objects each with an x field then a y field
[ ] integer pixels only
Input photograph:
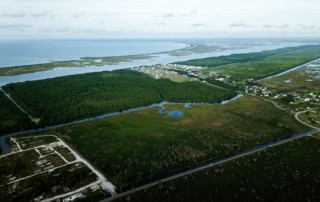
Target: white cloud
[
  {"x": 240, "y": 25},
  {"x": 14, "y": 26},
  {"x": 198, "y": 25},
  {"x": 14, "y": 15},
  {"x": 43, "y": 18},
  {"x": 168, "y": 15}
]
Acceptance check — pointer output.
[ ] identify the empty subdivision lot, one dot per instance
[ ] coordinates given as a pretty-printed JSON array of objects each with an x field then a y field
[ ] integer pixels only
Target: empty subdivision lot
[{"x": 42, "y": 167}]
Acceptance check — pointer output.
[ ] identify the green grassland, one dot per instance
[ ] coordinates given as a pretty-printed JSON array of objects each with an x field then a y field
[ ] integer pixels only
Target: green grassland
[
  {"x": 259, "y": 64},
  {"x": 269, "y": 66},
  {"x": 301, "y": 80},
  {"x": 69, "y": 98},
  {"x": 11, "y": 118},
  {"x": 242, "y": 57},
  {"x": 137, "y": 146},
  {"x": 289, "y": 172}
]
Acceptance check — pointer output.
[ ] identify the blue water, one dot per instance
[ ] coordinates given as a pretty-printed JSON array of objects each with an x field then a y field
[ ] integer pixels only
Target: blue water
[
  {"x": 30, "y": 52},
  {"x": 175, "y": 114},
  {"x": 14, "y": 53}
]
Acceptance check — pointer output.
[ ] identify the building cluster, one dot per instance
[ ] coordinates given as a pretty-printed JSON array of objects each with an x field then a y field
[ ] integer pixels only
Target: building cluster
[
  {"x": 297, "y": 98},
  {"x": 170, "y": 70}
]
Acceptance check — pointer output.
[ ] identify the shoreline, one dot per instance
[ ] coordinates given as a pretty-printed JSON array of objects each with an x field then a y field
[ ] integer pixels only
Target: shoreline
[{"x": 161, "y": 58}]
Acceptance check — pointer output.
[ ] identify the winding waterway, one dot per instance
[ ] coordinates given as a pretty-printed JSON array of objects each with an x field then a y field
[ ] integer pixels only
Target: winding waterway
[{"x": 6, "y": 149}]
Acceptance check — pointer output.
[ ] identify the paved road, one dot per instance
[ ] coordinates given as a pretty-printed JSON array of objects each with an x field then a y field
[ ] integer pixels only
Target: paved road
[
  {"x": 298, "y": 119},
  {"x": 223, "y": 160}
]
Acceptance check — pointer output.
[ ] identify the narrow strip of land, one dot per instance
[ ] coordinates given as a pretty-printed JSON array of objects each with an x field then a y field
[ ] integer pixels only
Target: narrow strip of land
[{"x": 34, "y": 120}]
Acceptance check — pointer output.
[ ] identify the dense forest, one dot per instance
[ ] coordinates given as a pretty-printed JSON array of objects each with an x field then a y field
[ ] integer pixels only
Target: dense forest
[
  {"x": 69, "y": 98},
  {"x": 11, "y": 118},
  {"x": 243, "y": 57}
]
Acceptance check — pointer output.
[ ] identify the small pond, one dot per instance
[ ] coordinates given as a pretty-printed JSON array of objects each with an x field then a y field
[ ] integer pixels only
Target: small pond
[{"x": 175, "y": 114}]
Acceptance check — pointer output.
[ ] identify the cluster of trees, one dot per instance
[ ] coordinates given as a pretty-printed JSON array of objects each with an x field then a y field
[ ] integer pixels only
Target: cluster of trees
[
  {"x": 243, "y": 57},
  {"x": 69, "y": 98},
  {"x": 11, "y": 118}
]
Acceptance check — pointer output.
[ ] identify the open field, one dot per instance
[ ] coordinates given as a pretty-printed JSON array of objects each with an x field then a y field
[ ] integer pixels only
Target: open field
[
  {"x": 133, "y": 147},
  {"x": 236, "y": 58},
  {"x": 11, "y": 118},
  {"x": 303, "y": 80},
  {"x": 268, "y": 66},
  {"x": 70, "y": 98},
  {"x": 289, "y": 172}
]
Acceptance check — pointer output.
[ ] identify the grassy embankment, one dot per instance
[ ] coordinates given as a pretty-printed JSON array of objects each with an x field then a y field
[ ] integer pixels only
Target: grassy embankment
[
  {"x": 133, "y": 147},
  {"x": 11, "y": 118},
  {"x": 289, "y": 172},
  {"x": 69, "y": 98}
]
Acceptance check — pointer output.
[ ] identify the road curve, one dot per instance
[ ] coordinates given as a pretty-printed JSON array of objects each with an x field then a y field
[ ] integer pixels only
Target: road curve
[{"x": 296, "y": 116}]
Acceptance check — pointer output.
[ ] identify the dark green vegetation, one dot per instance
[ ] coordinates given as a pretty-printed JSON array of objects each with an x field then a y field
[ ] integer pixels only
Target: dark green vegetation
[
  {"x": 62, "y": 180},
  {"x": 134, "y": 147},
  {"x": 11, "y": 118},
  {"x": 66, "y": 153},
  {"x": 289, "y": 172},
  {"x": 261, "y": 64},
  {"x": 69, "y": 98}
]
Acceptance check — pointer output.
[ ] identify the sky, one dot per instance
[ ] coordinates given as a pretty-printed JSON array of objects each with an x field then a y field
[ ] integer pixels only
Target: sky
[{"x": 41, "y": 19}]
